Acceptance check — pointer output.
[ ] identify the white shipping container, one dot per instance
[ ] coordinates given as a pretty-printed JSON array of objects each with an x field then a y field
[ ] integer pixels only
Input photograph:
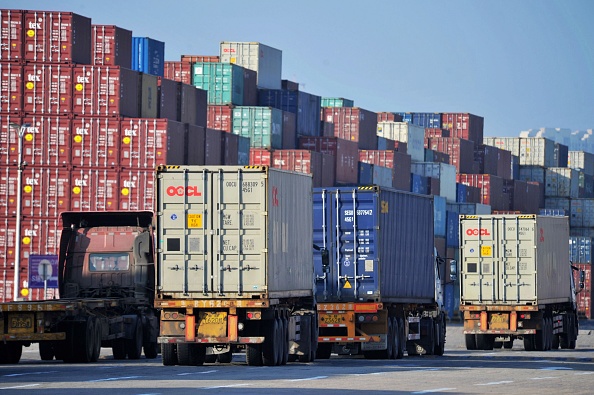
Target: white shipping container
[
  {"x": 469, "y": 208},
  {"x": 264, "y": 60},
  {"x": 581, "y": 160},
  {"x": 234, "y": 232},
  {"x": 533, "y": 173},
  {"x": 562, "y": 182},
  {"x": 446, "y": 174},
  {"x": 537, "y": 151},
  {"x": 581, "y": 213},
  {"x": 412, "y": 135},
  {"x": 532, "y": 269},
  {"x": 511, "y": 144}
]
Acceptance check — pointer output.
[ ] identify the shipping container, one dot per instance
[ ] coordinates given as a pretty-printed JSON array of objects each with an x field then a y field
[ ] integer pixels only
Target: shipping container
[
  {"x": 469, "y": 208},
  {"x": 436, "y": 132},
  {"x": 337, "y": 102},
  {"x": 354, "y": 124},
  {"x": 386, "y": 116},
  {"x": 584, "y": 297},
  {"x": 533, "y": 173},
  {"x": 452, "y": 229},
  {"x": 345, "y": 152},
  {"x": 491, "y": 188},
  {"x": 460, "y": 151},
  {"x": 365, "y": 238},
  {"x": 193, "y": 104},
  {"x": 439, "y": 216},
  {"x": 300, "y": 161},
  {"x": 419, "y": 184},
  {"x": 277, "y": 246},
  {"x": 11, "y": 87},
  {"x": 12, "y": 35},
  {"x": 556, "y": 203},
  {"x": 110, "y": 91},
  {"x": 261, "y": 157},
  {"x": 95, "y": 142},
  {"x": 199, "y": 58},
  {"x": 581, "y": 212},
  {"x": 289, "y": 85},
  {"x": 586, "y": 185},
  {"x": 45, "y": 191},
  {"x": 444, "y": 173},
  {"x": 169, "y": 99},
  {"x": 561, "y": 155},
  {"x": 377, "y": 157},
  {"x": 365, "y": 174},
  {"x": 385, "y": 144},
  {"x": 289, "y": 130},
  {"x": 304, "y": 105},
  {"x": 149, "y": 142},
  {"x": 148, "y": 56},
  {"x": 196, "y": 145},
  {"x": 561, "y": 182},
  {"x": 263, "y": 125},
  {"x": 178, "y": 71},
  {"x": 383, "y": 176},
  {"x": 57, "y": 37},
  {"x": 213, "y": 142},
  {"x": 465, "y": 126},
  {"x": 137, "y": 190},
  {"x": 263, "y": 59},
  {"x": 412, "y": 135},
  {"x": 93, "y": 189},
  {"x": 220, "y": 117},
  {"x": 580, "y": 249},
  {"x": 427, "y": 120},
  {"x": 581, "y": 160},
  {"x": 46, "y": 141},
  {"x": 223, "y": 82},
  {"x": 111, "y": 46},
  {"x": 149, "y": 96},
  {"x": 243, "y": 150},
  {"x": 230, "y": 147},
  {"x": 47, "y": 89},
  {"x": 250, "y": 87}
]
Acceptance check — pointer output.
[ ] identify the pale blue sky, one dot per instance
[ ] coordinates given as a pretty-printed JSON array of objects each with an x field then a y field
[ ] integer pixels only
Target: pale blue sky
[{"x": 520, "y": 64}]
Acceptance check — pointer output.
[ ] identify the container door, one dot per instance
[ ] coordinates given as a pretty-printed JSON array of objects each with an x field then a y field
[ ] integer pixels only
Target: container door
[
  {"x": 239, "y": 204},
  {"x": 323, "y": 238},
  {"x": 184, "y": 232}
]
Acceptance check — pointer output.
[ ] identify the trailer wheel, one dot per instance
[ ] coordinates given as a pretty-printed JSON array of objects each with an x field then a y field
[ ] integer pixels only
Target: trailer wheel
[
  {"x": 508, "y": 344},
  {"x": 548, "y": 333},
  {"x": 253, "y": 354},
  {"x": 118, "y": 348},
  {"x": 285, "y": 340},
  {"x": 169, "y": 354},
  {"x": 529, "y": 342},
  {"x": 197, "y": 354},
  {"x": 324, "y": 351},
  {"x": 151, "y": 349},
  {"x": 270, "y": 348},
  {"x": 46, "y": 350},
  {"x": 134, "y": 345},
  {"x": 225, "y": 357},
  {"x": 470, "y": 340},
  {"x": 402, "y": 336},
  {"x": 539, "y": 337},
  {"x": 312, "y": 326},
  {"x": 10, "y": 352},
  {"x": 440, "y": 336},
  {"x": 279, "y": 344},
  {"x": 98, "y": 338},
  {"x": 485, "y": 342}
]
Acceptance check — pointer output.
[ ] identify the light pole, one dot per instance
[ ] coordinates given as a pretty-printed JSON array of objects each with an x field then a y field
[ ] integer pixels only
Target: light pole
[{"x": 17, "y": 263}]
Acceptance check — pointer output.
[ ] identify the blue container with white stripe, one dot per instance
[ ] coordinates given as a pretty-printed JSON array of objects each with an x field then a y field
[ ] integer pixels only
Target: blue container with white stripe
[{"x": 148, "y": 56}]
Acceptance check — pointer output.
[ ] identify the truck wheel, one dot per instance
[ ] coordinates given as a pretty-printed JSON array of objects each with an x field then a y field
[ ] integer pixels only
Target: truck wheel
[
  {"x": 196, "y": 354},
  {"x": 285, "y": 340},
  {"x": 225, "y": 357},
  {"x": 529, "y": 342},
  {"x": 440, "y": 337},
  {"x": 508, "y": 344},
  {"x": 10, "y": 352},
  {"x": 548, "y": 333},
  {"x": 118, "y": 348},
  {"x": 98, "y": 340},
  {"x": 402, "y": 334},
  {"x": 279, "y": 344},
  {"x": 151, "y": 349},
  {"x": 539, "y": 337},
  {"x": 556, "y": 342},
  {"x": 169, "y": 354},
  {"x": 46, "y": 350},
  {"x": 470, "y": 340},
  {"x": 324, "y": 351},
  {"x": 86, "y": 347},
  {"x": 311, "y": 327},
  {"x": 253, "y": 354},
  {"x": 395, "y": 338},
  {"x": 134, "y": 345},
  {"x": 270, "y": 348},
  {"x": 485, "y": 342}
]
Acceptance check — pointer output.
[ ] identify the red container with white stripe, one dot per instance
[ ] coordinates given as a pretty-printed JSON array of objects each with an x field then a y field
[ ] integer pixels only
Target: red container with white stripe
[
  {"x": 220, "y": 117},
  {"x": 93, "y": 189},
  {"x": 383, "y": 158},
  {"x": 260, "y": 157},
  {"x": 137, "y": 189},
  {"x": 47, "y": 89},
  {"x": 95, "y": 142},
  {"x": 300, "y": 161},
  {"x": 346, "y": 153},
  {"x": 178, "y": 71},
  {"x": 46, "y": 142},
  {"x": 111, "y": 46},
  {"x": 11, "y": 35},
  {"x": 11, "y": 87}
]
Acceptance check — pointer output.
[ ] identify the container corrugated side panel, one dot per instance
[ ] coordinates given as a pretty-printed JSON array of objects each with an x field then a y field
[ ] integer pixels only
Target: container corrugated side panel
[{"x": 263, "y": 59}]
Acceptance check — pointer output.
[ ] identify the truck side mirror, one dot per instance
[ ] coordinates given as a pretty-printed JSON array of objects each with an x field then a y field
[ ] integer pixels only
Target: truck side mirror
[
  {"x": 453, "y": 270},
  {"x": 582, "y": 279},
  {"x": 325, "y": 259}
]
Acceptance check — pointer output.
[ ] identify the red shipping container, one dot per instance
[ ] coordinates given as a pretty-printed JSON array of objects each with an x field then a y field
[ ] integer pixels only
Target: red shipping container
[
  {"x": 45, "y": 191},
  {"x": 460, "y": 151},
  {"x": 464, "y": 126},
  {"x": 213, "y": 143},
  {"x": 491, "y": 189},
  {"x": 199, "y": 58},
  {"x": 584, "y": 297},
  {"x": 220, "y": 117},
  {"x": 178, "y": 71},
  {"x": 168, "y": 99},
  {"x": 149, "y": 142},
  {"x": 260, "y": 157},
  {"x": 385, "y": 116},
  {"x": 353, "y": 124},
  {"x": 47, "y": 89},
  {"x": 11, "y": 35},
  {"x": 300, "y": 161},
  {"x": 9, "y": 139},
  {"x": 436, "y": 132},
  {"x": 230, "y": 148},
  {"x": 39, "y": 236},
  {"x": 95, "y": 142},
  {"x": 377, "y": 157},
  {"x": 346, "y": 153},
  {"x": 196, "y": 145},
  {"x": 46, "y": 141},
  {"x": 110, "y": 91},
  {"x": 57, "y": 37},
  {"x": 94, "y": 189},
  {"x": 137, "y": 189},
  {"x": 11, "y": 87},
  {"x": 111, "y": 46}
]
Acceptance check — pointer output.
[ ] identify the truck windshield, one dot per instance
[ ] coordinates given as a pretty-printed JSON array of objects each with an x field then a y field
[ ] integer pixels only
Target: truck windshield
[{"x": 106, "y": 262}]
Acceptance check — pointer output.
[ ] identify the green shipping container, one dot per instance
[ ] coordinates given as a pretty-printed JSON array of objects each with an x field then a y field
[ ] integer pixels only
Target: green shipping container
[
  {"x": 337, "y": 102},
  {"x": 263, "y": 125},
  {"x": 222, "y": 81}
]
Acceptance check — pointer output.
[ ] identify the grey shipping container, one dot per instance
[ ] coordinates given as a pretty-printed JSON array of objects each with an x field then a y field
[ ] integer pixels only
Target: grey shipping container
[
  {"x": 514, "y": 259},
  {"x": 256, "y": 243},
  {"x": 380, "y": 241}
]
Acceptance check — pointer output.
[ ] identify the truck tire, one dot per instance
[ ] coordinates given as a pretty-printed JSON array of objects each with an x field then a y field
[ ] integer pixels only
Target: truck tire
[
  {"x": 324, "y": 351},
  {"x": 279, "y": 346},
  {"x": 401, "y": 330},
  {"x": 540, "y": 337},
  {"x": 270, "y": 348},
  {"x": 118, "y": 348},
  {"x": 549, "y": 333},
  {"x": 98, "y": 339},
  {"x": 253, "y": 355},
  {"x": 529, "y": 342},
  {"x": 151, "y": 349},
  {"x": 395, "y": 338},
  {"x": 485, "y": 342},
  {"x": 440, "y": 336},
  {"x": 134, "y": 345},
  {"x": 225, "y": 357},
  {"x": 470, "y": 340},
  {"x": 169, "y": 354},
  {"x": 197, "y": 354},
  {"x": 10, "y": 352},
  {"x": 508, "y": 344},
  {"x": 46, "y": 350},
  {"x": 311, "y": 326},
  {"x": 285, "y": 340}
]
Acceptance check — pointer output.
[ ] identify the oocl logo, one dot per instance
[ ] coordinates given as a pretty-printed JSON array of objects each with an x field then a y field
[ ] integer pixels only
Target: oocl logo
[
  {"x": 183, "y": 191},
  {"x": 478, "y": 232}
]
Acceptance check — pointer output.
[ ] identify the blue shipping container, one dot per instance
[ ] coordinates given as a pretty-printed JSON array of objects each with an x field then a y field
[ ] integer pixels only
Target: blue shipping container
[
  {"x": 148, "y": 56},
  {"x": 380, "y": 244},
  {"x": 427, "y": 119},
  {"x": 452, "y": 229},
  {"x": 419, "y": 184},
  {"x": 243, "y": 151},
  {"x": 365, "y": 174},
  {"x": 440, "y": 216},
  {"x": 580, "y": 249},
  {"x": 461, "y": 192},
  {"x": 305, "y": 106}
]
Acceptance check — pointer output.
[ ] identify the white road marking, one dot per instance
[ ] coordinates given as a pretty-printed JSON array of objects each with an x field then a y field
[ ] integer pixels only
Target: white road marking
[
  {"x": 26, "y": 374},
  {"x": 310, "y": 378},
  {"x": 114, "y": 379},
  {"x": 205, "y": 372},
  {"x": 543, "y": 378},
  {"x": 19, "y": 386},
  {"x": 583, "y": 373},
  {"x": 226, "y": 386},
  {"x": 434, "y": 390},
  {"x": 496, "y": 383},
  {"x": 557, "y": 368}
]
